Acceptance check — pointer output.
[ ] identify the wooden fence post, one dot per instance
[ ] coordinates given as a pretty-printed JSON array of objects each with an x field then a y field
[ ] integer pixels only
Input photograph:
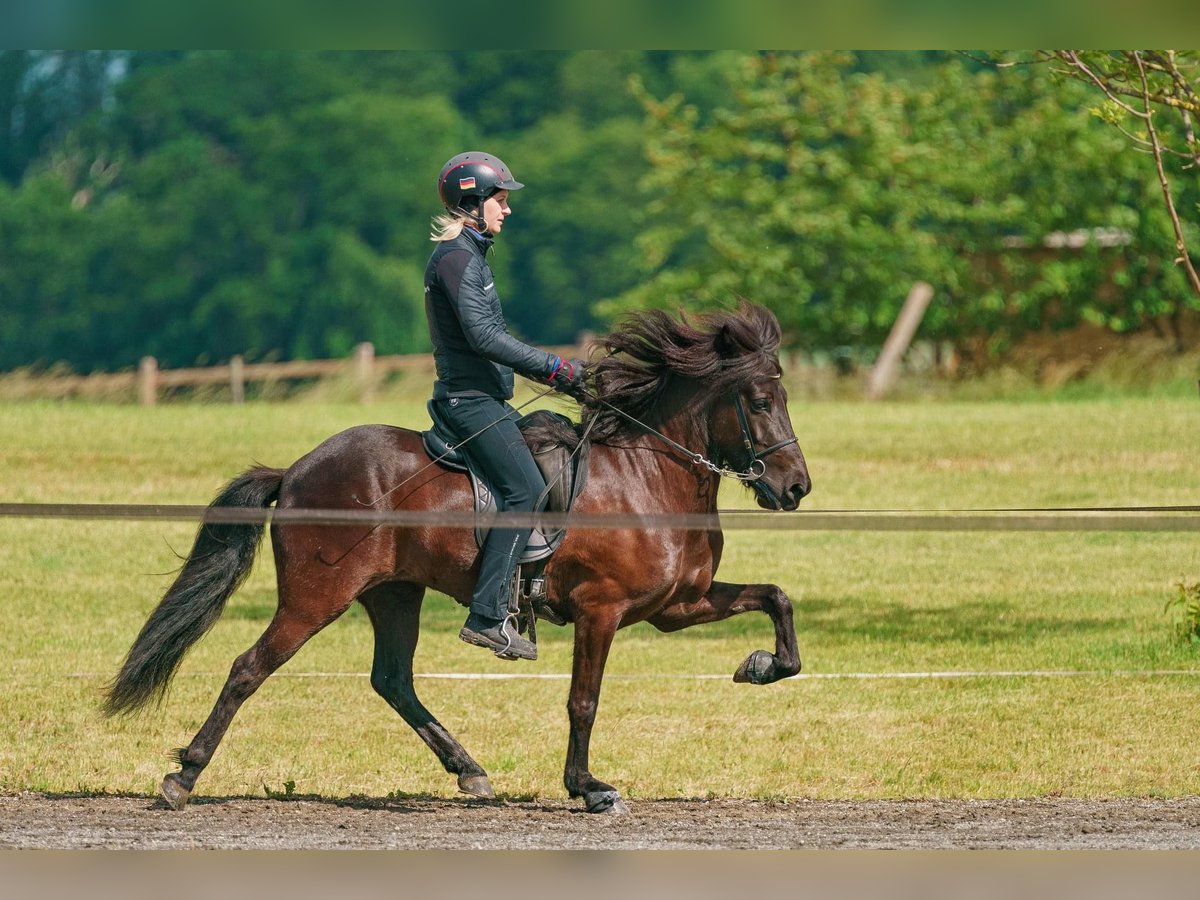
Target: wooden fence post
[
  {"x": 364, "y": 370},
  {"x": 237, "y": 378},
  {"x": 147, "y": 381},
  {"x": 883, "y": 373}
]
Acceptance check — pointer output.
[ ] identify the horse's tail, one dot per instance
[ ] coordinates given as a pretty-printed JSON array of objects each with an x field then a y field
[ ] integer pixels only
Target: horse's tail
[{"x": 219, "y": 562}]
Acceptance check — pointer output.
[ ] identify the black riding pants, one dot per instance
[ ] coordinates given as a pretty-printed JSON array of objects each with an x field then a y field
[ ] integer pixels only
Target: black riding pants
[{"x": 502, "y": 456}]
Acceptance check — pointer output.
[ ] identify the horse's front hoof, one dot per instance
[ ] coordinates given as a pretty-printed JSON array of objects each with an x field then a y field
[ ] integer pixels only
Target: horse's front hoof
[
  {"x": 476, "y": 786},
  {"x": 605, "y": 802},
  {"x": 758, "y": 668},
  {"x": 174, "y": 792}
]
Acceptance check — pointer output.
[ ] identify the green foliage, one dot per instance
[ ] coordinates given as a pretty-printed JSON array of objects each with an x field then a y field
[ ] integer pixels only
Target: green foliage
[
  {"x": 1187, "y": 602},
  {"x": 44, "y": 94},
  {"x": 193, "y": 205},
  {"x": 825, "y": 192},
  {"x": 267, "y": 207},
  {"x": 583, "y": 218},
  {"x": 289, "y": 788}
]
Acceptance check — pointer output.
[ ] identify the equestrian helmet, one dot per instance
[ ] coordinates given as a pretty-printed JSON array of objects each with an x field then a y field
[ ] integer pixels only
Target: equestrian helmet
[{"x": 473, "y": 177}]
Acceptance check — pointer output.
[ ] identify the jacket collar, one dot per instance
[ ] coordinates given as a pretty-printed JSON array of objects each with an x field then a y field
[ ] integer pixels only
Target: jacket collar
[{"x": 484, "y": 241}]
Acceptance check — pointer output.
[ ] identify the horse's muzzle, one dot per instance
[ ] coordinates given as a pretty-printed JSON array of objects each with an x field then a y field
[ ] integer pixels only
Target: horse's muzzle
[
  {"x": 790, "y": 499},
  {"x": 786, "y": 499}
]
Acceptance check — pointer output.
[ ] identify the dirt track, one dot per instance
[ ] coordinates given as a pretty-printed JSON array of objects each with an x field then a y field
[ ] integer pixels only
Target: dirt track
[{"x": 33, "y": 820}]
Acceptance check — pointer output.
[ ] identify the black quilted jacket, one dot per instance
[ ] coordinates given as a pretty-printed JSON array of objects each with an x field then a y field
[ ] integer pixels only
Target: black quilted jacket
[{"x": 472, "y": 349}]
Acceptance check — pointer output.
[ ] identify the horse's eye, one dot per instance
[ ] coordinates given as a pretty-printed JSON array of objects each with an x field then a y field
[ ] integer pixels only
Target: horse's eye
[{"x": 760, "y": 404}]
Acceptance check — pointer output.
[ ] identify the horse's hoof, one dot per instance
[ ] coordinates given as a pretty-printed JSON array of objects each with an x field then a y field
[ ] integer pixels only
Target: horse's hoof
[
  {"x": 758, "y": 668},
  {"x": 174, "y": 792},
  {"x": 605, "y": 802},
  {"x": 476, "y": 786}
]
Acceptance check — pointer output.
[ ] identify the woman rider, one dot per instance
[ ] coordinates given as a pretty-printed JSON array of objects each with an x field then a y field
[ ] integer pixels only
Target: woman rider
[{"x": 475, "y": 358}]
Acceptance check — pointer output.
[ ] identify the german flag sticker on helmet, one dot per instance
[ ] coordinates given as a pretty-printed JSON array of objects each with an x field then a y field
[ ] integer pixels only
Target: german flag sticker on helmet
[{"x": 466, "y": 184}]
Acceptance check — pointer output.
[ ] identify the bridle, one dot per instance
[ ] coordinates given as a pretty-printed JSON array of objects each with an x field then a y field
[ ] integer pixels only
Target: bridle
[
  {"x": 750, "y": 476},
  {"x": 756, "y": 455}
]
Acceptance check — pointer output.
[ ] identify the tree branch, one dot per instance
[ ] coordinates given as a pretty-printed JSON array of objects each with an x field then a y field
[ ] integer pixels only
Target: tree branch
[
  {"x": 1071, "y": 58},
  {"x": 1180, "y": 243},
  {"x": 1183, "y": 86}
]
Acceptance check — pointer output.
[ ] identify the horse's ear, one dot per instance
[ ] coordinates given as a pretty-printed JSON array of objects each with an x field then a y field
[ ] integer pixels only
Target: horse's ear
[{"x": 724, "y": 343}]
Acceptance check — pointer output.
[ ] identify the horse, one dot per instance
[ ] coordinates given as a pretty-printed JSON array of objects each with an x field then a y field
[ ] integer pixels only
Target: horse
[{"x": 671, "y": 389}]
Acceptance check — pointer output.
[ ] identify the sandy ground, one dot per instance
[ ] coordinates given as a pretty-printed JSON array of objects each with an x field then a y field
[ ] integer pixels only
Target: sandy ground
[{"x": 33, "y": 820}]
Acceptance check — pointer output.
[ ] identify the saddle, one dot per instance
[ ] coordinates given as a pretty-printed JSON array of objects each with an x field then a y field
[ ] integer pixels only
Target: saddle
[{"x": 564, "y": 473}]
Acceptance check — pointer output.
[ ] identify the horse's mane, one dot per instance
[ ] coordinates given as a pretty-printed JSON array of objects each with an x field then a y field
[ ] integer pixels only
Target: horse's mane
[{"x": 719, "y": 351}]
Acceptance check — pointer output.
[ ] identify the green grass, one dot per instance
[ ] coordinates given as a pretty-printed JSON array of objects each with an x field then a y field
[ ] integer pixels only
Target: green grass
[{"x": 76, "y": 592}]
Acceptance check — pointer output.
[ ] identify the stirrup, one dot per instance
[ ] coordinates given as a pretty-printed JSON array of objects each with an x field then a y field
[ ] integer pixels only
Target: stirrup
[
  {"x": 516, "y": 631},
  {"x": 520, "y": 606}
]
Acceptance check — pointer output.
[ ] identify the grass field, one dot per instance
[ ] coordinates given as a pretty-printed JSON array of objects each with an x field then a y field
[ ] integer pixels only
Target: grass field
[{"x": 76, "y": 592}]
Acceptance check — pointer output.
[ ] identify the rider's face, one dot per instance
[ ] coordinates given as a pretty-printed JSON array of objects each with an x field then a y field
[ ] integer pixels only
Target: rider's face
[{"x": 495, "y": 211}]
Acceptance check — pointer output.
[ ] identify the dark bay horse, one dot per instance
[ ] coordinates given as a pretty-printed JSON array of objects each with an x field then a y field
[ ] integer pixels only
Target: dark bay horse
[{"x": 711, "y": 389}]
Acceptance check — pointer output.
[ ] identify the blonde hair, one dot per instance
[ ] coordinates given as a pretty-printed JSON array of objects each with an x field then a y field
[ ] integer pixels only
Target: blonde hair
[{"x": 447, "y": 226}]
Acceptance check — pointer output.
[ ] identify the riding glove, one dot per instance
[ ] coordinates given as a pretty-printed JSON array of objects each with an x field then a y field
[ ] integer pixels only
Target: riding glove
[{"x": 570, "y": 377}]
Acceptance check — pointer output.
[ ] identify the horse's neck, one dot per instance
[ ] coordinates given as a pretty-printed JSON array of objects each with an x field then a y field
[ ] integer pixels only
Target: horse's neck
[{"x": 652, "y": 474}]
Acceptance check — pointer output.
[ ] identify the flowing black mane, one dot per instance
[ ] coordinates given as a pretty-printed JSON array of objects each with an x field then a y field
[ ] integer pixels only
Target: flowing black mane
[
  {"x": 649, "y": 351},
  {"x": 719, "y": 351}
]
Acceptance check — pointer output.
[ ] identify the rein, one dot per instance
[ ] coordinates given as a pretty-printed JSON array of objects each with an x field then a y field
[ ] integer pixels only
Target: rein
[{"x": 749, "y": 476}]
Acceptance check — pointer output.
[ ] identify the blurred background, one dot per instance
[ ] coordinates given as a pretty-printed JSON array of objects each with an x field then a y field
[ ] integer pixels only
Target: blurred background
[{"x": 196, "y": 206}]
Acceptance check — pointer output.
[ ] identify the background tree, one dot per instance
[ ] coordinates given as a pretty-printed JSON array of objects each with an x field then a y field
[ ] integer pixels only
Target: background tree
[
  {"x": 193, "y": 205},
  {"x": 824, "y": 191},
  {"x": 1153, "y": 98}
]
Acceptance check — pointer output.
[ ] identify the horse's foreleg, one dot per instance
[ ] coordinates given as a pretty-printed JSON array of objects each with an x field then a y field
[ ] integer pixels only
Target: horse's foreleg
[
  {"x": 395, "y": 611},
  {"x": 725, "y": 600},
  {"x": 593, "y": 638},
  {"x": 283, "y": 637}
]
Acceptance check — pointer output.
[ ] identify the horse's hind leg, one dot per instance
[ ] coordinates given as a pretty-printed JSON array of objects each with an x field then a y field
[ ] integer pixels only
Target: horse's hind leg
[
  {"x": 284, "y": 636},
  {"x": 395, "y": 610}
]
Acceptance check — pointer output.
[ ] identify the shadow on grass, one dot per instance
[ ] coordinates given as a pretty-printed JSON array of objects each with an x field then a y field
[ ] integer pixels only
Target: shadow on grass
[
  {"x": 972, "y": 623},
  {"x": 980, "y": 622},
  {"x": 969, "y": 623}
]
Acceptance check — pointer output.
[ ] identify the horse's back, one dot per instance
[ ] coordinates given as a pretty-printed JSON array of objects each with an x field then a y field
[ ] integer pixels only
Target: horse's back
[{"x": 354, "y": 467}]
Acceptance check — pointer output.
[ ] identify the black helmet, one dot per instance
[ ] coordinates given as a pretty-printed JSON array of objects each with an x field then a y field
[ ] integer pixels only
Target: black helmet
[{"x": 473, "y": 175}]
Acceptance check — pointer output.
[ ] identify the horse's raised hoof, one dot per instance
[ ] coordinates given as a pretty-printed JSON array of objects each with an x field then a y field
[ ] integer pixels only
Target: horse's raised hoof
[
  {"x": 476, "y": 786},
  {"x": 174, "y": 792},
  {"x": 605, "y": 802},
  {"x": 758, "y": 668}
]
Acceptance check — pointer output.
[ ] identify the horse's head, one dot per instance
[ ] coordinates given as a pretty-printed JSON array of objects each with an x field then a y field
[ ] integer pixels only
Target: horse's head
[
  {"x": 752, "y": 434},
  {"x": 718, "y": 373},
  {"x": 751, "y": 429}
]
